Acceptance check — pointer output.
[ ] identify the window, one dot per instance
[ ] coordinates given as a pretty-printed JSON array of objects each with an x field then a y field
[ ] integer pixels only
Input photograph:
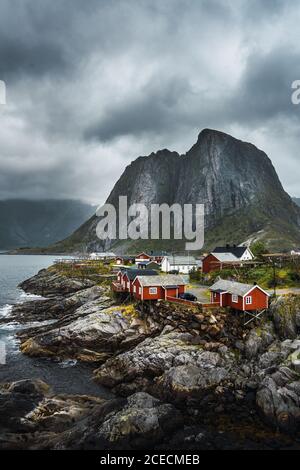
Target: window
[
  {"x": 134, "y": 289},
  {"x": 234, "y": 298},
  {"x": 140, "y": 290},
  {"x": 152, "y": 290},
  {"x": 248, "y": 300}
]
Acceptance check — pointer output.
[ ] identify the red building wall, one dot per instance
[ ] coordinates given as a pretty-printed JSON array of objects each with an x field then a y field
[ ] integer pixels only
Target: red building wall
[
  {"x": 227, "y": 302},
  {"x": 215, "y": 297},
  {"x": 142, "y": 256},
  {"x": 160, "y": 292},
  {"x": 207, "y": 265},
  {"x": 259, "y": 300}
]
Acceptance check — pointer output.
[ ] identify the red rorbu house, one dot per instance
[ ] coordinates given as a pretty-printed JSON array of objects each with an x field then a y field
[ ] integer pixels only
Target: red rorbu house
[
  {"x": 227, "y": 256},
  {"x": 142, "y": 258},
  {"x": 152, "y": 256},
  {"x": 125, "y": 259},
  {"x": 125, "y": 278},
  {"x": 244, "y": 297},
  {"x": 158, "y": 287}
]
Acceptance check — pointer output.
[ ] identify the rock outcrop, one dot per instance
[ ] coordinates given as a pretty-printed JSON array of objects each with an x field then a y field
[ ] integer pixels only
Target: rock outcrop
[
  {"x": 34, "y": 418},
  {"x": 93, "y": 333},
  {"x": 158, "y": 359},
  {"x": 50, "y": 282}
]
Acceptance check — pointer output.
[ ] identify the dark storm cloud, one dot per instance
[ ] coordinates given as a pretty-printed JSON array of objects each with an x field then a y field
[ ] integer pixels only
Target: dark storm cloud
[
  {"x": 264, "y": 91},
  {"x": 152, "y": 111},
  {"x": 93, "y": 84}
]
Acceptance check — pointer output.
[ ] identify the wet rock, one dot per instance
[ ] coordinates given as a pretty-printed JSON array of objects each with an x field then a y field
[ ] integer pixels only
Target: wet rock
[
  {"x": 49, "y": 282},
  {"x": 143, "y": 422},
  {"x": 56, "y": 307},
  {"x": 94, "y": 335},
  {"x": 16, "y": 400},
  {"x": 33, "y": 418}
]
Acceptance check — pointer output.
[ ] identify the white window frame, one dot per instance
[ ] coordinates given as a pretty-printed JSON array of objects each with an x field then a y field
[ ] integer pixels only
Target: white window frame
[
  {"x": 134, "y": 289},
  {"x": 248, "y": 300},
  {"x": 140, "y": 290},
  {"x": 152, "y": 290},
  {"x": 234, "y": 298}
]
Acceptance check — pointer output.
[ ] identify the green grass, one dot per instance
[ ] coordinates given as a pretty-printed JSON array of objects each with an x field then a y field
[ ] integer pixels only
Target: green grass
[{"x": 286, "y": 276}]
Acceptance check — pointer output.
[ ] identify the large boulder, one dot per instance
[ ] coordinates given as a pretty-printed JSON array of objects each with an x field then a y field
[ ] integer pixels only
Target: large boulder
[
  {"x": 286, "y": 313},
  {"x": 278, "y": 399},
  {"x": 143, "y": 422},
  {"x": 258, "y": 340}
]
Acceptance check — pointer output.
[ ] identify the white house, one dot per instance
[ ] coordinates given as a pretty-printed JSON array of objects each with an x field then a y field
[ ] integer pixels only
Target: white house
[
  {"x": 102, "y": 255},
  {"x": 241, "y": 253},
  {"x": 295, "y": 252},
  {"x": 182, "y": 264}
]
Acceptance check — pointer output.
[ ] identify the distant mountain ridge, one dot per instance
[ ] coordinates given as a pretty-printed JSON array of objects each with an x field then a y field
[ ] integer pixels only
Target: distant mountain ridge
[
  {"x": 296, "y": 200},
  {"x": 243, "y": 197},
  {"x": 26, "y": 223}
]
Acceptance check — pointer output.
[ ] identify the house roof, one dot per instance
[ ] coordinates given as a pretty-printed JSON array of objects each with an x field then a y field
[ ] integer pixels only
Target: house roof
[
  {"x": 237, "y": 251},
  {"x": 182, "y": 260},
  {"x": 125, "y": 257},
  {"x": 223, "y": 257},
  {"x": 148, "y": 263},
  {"x": 152, "y": 253},
  {"x": 232, "y": 287},
  {"x": 167, "y": 280},
  {"x": 133, "y": 273}
]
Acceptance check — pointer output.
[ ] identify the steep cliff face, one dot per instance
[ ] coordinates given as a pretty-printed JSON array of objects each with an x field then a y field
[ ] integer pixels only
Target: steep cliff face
[{"x": 236, "y": 182}]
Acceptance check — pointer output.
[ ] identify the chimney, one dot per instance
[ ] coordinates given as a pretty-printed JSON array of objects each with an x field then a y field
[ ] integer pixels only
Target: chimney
[{"x": 255, "y": 283}]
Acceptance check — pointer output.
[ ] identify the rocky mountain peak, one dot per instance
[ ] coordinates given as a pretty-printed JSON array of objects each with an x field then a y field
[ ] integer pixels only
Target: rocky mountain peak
[{"x": 237, "y": 183}]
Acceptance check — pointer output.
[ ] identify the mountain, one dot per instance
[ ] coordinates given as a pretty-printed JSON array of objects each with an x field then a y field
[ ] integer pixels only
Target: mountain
[
  {"x": 244, "y": 199},
  {"x": 25, "y": 223},
  {"x": 296, "y": 200}
]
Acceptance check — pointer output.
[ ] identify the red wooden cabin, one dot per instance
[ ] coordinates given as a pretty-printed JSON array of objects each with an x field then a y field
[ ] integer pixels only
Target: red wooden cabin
[
  {"x": 158, "y": 287},
  {"x": 125, "y": 278},
  {"x": 244, "y": 297}
]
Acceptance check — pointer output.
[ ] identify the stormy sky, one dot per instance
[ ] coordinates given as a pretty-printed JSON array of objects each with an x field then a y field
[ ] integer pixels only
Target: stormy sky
[{"x": 93, "y": 84}]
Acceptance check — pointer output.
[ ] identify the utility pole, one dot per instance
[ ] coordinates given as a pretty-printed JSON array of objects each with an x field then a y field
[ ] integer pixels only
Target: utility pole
[{"x": 274, "y": 276}]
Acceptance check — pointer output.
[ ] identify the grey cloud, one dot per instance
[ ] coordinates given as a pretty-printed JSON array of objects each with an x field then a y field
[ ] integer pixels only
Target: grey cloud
[
  {"x": 93, "y": 84},
  {"x": 154, "y": 110}
]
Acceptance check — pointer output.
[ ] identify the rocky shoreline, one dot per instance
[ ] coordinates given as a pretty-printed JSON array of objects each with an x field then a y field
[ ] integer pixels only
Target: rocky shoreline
[{"x": 182, "y": 378}]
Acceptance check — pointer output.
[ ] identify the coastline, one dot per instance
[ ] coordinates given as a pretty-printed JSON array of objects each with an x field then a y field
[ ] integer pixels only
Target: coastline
[{"x": 157, "y": 361}]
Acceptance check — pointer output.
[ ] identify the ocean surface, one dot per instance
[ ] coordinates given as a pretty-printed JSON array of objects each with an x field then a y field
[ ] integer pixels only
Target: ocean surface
[{"x": 63, "y": 377}]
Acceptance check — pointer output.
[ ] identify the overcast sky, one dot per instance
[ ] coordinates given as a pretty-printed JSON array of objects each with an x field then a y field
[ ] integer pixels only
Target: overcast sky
[{"x": 93, "y": 84}]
